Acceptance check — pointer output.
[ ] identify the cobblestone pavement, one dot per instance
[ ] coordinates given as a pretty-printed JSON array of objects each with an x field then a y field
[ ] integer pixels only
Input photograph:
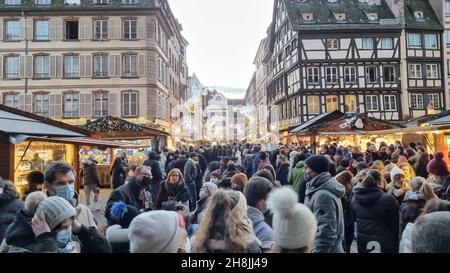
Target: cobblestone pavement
[{"x": 98, "y": 209}]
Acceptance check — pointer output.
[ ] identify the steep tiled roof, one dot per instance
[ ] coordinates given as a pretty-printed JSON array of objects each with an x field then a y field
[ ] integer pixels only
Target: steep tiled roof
[{"x": 429, "y": 20}]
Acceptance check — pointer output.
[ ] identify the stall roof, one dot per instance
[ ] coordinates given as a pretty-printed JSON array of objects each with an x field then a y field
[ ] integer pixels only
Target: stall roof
[
  {"x": 317, "y": 120},
  {"x": 13, "y": 121},
  {"x": 440, "y": 121},
  {"x": 89, "y": 142}
]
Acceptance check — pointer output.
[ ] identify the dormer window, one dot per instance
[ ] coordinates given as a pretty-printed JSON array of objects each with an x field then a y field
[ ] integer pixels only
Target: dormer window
[
  {"x": 332, "y": 44},
  {"x": 340, "y": 16},
  {"x": 332, "y": 1},
  {"x": 418, "y": 14},
  {"x": 308, "y": 16},
  {"x": 363, "y": 1},
  {"x": 372, "y": 16}
]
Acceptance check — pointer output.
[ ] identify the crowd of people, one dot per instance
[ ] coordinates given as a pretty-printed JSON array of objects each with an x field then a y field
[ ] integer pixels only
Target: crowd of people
[{"x": 240, "y": 199}]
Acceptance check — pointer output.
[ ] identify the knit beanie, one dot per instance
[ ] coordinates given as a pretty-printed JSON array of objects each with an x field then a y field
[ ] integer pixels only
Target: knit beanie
[
  {"x": 56, "y": 210},
  {"x": 438, "y": 166},
  {"x": 318, "y": 163},
  {"x": 33, "y": 200},
  {"x": 123, "y": 213},
  {"x": 257, "y": 188},
  {"x": 396, "y": 171},
  {"x": 294, "y": 225},
  {"x": 157, "y": 232},
  {"x": 361, "y": 166},
  {"x": 213, "y": 165},
  {"x": 239, "y": 180}
]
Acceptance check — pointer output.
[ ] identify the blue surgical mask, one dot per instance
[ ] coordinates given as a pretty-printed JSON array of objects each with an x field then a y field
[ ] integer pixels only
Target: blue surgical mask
[
  {"x": 66, "y": 191},
  {"x": 63, "y": 237}
]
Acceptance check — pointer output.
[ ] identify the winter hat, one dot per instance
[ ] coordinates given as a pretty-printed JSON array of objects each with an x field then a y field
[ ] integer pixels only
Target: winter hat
[
  {"x": 239, "y": 180},
  {"x": 213, "y": 165},
  {"x": 256, "y": 189},
  {"x": 345, "y": 163},
  {"x": 396, "y": 171},
  {"x": 35, "y": 177},
  {"x": 212, "y": 188},
  {"x": 156, "y": 232},
  {"x": 318, "y": 163},
  {"x": 123, "y": 213},
  {"x": 33, "y": 200},
  {"x": 438, "y": 166},
  {"x": 402, "y": 159},
  {"x": 56, "y": 210},
  {"x": 294, "y": 225}
]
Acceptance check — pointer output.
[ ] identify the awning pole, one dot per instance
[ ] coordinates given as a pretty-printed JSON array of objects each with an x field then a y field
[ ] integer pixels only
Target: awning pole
[{"x": 26, "y": 149}]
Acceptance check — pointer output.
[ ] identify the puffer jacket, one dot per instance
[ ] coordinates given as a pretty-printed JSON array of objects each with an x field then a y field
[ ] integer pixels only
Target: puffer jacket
[
  {"x": 90, "y": 173},
  {"x": 410, "y": 209},
  {"x": 261, "y": 229},
  {"x": 377, "y": 216},
  {"x": 296, "y": 176},
  {"x": 323, "y": 198},
  {"x": 10, "y": 205}
]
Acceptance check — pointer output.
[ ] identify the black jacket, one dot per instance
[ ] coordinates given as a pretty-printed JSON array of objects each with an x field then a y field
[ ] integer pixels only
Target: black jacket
[
  {"x": 20, "y": 233},
  {"x": 9, "y": 206},
  {"x": 156, "y": 171},
  {"x": 179, "y": 164},
  {"x": 282, "y": 173},
  {"x": 377, "y": 216},
  {"x": 410, "y": 209},
  {"x": 182, "y": 195}
]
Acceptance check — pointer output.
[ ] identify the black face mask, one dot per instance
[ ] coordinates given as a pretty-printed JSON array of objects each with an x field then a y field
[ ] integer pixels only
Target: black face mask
[{"x": 146, "y": 181}]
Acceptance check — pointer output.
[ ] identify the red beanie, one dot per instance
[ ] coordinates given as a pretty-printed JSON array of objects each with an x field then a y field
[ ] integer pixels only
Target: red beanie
[{"x": 438, "y": 166}]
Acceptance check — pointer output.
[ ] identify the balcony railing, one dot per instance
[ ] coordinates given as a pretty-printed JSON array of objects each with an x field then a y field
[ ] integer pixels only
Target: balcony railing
[{"x": 84, "y": 4}]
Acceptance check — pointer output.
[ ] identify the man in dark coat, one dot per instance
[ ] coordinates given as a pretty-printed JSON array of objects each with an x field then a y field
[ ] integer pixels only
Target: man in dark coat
[
  {"x": 191, "y": 170},
  {"x": 180, "y": 162},
  {"x": 136, "y": 193},
  {"x": 118, "y": 172},
  {"x": 156, "y": 173},
  {"x": 10, "y": 205}
]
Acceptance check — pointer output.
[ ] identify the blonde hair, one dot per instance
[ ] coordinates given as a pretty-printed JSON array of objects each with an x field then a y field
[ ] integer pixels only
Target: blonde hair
[
  {"x": 225, "y": 219},
  {"x": 177, "y": 171},
  {"x": 412, "y": 173},
  {"x": 378, "y": 165},
  {"x": 421, "y": 185}
]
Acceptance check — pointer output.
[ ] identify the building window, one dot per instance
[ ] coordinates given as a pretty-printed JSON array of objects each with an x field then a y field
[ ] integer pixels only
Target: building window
[
  {"x": 12, "y": 2},
  {"x": 71, "y": 30},
  {"x": 43, "y": 2},
  {"x": 129, "y": 29},
  {"x": 101, "y": 65},
  {"x": 41, "y": 30},
  {"x": 12, "y": 67},
  {"x": 447, "y": 37},
  {"x": 389, "y": 74},
  {"x": 433, "y": 101},
  {"x": 367, "y": 43},
  {"x": 11, "y": 100},
  {"x": 331, "y": 75},
  {"x": 313, "y": 75},
  {"x": 414, "y": 40},
  {"x": 41, "y": 104},
  {"x": 331, "y": 103},
  {"x": 431, "y": 41},
  {"x": 130, "y": 2},
  {"x": 350, "y": 103},
  {"x": 416, "y": 101},
  {"x": 12, "y": 32},
  {"x": 372, "y": 103},
  {"x": 130, "y": 104},
  {"x": 390, "y": 103},
  {"x": 129, "y": 65},
  {"x": 313, "y": 105},
  {"x": 307, "y": 16},
  {"x": 100, "y": 2},
  {"x": 71, "y": 105},
  {"x": 71, "y": 66},
  {"x": 101, "y": 29},
  {"x": 41, "y": 67},
  {"x": 101, "y": 104},
  {"x": 371, "y": 74},
  {"x": 415, "y": 71},
  {"x": 332, "y": 44},
  {"x": 448, "y": 8},
  {"x": 387, "y": 43},
  {"x": 432, "y": 71},
  {"x": 350, "y": 74}
]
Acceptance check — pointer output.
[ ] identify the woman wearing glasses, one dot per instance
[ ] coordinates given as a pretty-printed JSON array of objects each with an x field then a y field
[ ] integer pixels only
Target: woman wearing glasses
[{"x": 173, "y": 192}]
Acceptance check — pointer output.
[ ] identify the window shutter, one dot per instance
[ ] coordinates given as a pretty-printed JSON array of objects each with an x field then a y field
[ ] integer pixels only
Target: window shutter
[
  {"x": 141, "y": 33},
  {"x": 52, "y": 29},
  {"x": 141, "y": 65},
  {"x": 118, "y": 65},
  {"x": 1, "y": 98},
  {"x": 22, "y": 66},
  {"x": 82, "y": 66},
  {"x": 29, "y": 29},
  {"x": 88, "y": 65},
  {"x": 118, "y": 29},
  {"x": 52, "y": 68},
  {"x": 59, "y": 29},
  {"x": 29, "y": 103},
  {"x": 52, "y": 106},
  {"x": 29, "y": 67},
  {"x": 22, "y": 29},
  {"x": 22, "y": 102},
  {"x": 81, "y": 24},
  {"x": 111, "y": 26},
  {"x": 112, "y": 65},
  {"x": 112, "y": 104},
  {"x": 87, "y": 28},
  {"x": 57, "y": 105},
  {"x": 86, "y": 105},
  {"x": 58, "y": 66},
  {"x": 1, "y": 68},
  {"x": 1, "y": 30}
]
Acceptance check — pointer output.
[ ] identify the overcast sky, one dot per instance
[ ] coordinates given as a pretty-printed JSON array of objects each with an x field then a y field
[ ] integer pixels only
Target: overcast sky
[{"x": 223, "y": 37}]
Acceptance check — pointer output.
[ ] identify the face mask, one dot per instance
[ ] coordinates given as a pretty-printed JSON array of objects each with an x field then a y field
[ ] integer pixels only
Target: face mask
[
  {"x": 215, "y": 180},
  {"x": 63, "y": 237},
  {"x": 146, "y": 181},
  {"x": 66, "y": 191},
  {"x": 203, "y": 195}
]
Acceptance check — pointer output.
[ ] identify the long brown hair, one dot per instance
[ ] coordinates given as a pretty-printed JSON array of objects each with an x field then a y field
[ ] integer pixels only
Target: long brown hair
[
  {"x": 225, "y": 219},
  {"x": 176, "y": 171},
  {"x": 422, "y": 160}
]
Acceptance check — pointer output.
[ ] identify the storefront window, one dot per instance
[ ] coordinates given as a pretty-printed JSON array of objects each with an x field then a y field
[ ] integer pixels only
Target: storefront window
[
  {"x": 332, "y": 103},
  {"x": 350, "y": 103}
]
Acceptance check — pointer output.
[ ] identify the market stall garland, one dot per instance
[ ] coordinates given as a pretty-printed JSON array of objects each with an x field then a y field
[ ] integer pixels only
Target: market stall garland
[{"x": 112, "y": 124}]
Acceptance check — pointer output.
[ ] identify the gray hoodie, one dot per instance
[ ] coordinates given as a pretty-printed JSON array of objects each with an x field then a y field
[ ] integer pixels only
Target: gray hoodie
[{"x": 323, "y": 195}]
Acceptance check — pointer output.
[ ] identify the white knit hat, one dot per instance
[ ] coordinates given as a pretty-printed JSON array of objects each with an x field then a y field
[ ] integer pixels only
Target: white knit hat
[
  {"x": 156, "y": 232},
  {"x": 396, "y": 171},
  {"x": 294, "y": 225},
  {"x": 56, "y": 210}
]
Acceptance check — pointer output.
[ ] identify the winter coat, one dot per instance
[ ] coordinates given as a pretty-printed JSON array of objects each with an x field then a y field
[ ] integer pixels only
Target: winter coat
[
  {"x": 20, "y": 232},
  {"x": 90, "y": 173},
  {"x": 200, "y": 208},
  {"x": 282, "y": 173},
  {"x": 118, "y": 239},
  {"x": 296, "y": 176},
  {"x": 10, "y": 205},
  {"x": 421, "y": 171},
  {"x": 247, "y": 164},
  {"x": 202, "y": 162},
  {"x": 443, "y": 191},
  {"x": 410, "y": 209},
  {"x": 261, "y": 229},
  {"x": 130, "y": 194},
  {"x": 323, "y": 198},
  {"x": 348, "y": 222},
  {"x": 180, "y": 163},
  {"x": 166, "y": 194},
  {"x": 118, "y": 172},
  {"x": 190, "y": 171},
  {"x": 406, "y": 241},
  {"x": 156, "y": 175},
  {"x": 377, "y": 215}
]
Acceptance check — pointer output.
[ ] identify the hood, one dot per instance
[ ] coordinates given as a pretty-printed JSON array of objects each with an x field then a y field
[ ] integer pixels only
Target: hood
[
  {"x": 9, "y": 193},
  {"x": 413, "y": 196},
  {"x": 324, "y": 181},
  {"x": 20, "y": 232},
  {"x": 367, "y": 196},
  {"x": 300, "y": 164},
  {"x": 255, "y": 215},
  {"x": 152, "y": 156}
]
